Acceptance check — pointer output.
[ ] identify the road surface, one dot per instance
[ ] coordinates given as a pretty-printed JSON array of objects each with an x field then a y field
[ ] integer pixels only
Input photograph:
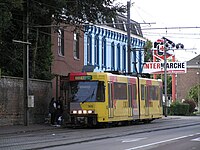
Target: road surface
[{"x": 185, "y": 138}]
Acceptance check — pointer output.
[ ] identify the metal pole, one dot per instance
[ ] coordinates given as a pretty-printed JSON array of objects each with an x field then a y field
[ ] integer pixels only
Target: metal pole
[
  {"x": 173, "y": 83},
  {"x": 199, "y": 93},
  {"x": 26, "y": 67},
  {"x": 198, "y": 76},
  {"x": 128, "y": 36},
  {"x": 165, "y": 74}
]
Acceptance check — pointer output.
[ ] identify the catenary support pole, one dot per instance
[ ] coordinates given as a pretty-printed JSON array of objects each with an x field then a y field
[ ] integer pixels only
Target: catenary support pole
[
  {"x": 128, "y": 38},
  {"x": 173, "y": 83},
  {"x": 165, "y": 75}
]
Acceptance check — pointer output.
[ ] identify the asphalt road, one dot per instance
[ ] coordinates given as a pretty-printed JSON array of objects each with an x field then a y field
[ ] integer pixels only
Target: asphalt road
[
  {"x": 185, "y": 138},
  {"x": 116, "y": 137}
]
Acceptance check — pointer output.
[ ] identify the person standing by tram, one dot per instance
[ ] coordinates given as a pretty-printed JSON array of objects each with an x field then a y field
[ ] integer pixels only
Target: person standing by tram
[
  {"x": 59, "y": 110},
  {"x": 52, "y": 110}
]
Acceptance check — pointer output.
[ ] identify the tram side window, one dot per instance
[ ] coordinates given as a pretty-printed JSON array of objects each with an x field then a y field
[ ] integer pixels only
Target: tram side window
[
  {"x": 150, "y": 92},
  {"x": 153, "y": 92},
  {"x": 134, "y": 92},
  {"x": 149, "y": 96},
  {"x": 110, "y": 93},
  {"x": 142, "y": 92},
  {"x": 130, "y": 95},
  {"x": 152, "y": 95},
  {"x": 134, "y": 96},
  {"x": 120, "y": 91},
  {"x": 101, "y": 92},
  {"x": 161, "y": 96},
  {"x": 156, "y": 92}
]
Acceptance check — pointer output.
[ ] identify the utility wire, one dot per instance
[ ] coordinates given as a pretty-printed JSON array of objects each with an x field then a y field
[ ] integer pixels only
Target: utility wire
[
  {"x": 174, "y": 33},
  {"x": 183, "y": 37},
  {"x": 167, "y": 28},
  {"x": 149, "y": 15}
]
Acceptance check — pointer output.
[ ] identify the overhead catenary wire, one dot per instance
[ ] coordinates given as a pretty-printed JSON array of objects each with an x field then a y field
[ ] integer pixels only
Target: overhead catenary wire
[
  {"x": 149, "y": 15},
  {"x": 173, "y": 33},
  {"x": 180, "y": 37},
  {"x": 167, "y": 28}
]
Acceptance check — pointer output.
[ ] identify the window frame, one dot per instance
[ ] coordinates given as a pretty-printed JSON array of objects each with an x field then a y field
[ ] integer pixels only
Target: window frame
[
  {"x": 60, "y": 41},
  {"x": 76, "y": 45},
  {"x": 89, "y": 49}
]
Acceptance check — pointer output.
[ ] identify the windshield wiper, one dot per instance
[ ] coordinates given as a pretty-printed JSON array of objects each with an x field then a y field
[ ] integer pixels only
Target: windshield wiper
[{"x": 89, "y": 97}]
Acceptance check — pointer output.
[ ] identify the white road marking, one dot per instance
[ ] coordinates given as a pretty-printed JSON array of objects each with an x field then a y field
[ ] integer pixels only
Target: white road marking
[
  {"x": 132, "y": 140},
  {"x": 156, "y": 143},
  {"x": 197, "y": 139}
]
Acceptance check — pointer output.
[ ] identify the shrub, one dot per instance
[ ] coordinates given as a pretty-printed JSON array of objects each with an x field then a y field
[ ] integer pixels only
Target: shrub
[
  {"x": 178, "y": 108},
  {"x": 192, "y": 105}
]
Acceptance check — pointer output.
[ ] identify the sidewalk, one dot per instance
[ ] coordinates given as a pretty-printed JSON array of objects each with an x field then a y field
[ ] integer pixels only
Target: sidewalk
[
  {"x": 22, "y": 129},
  {"x": 41, "y": 127}
]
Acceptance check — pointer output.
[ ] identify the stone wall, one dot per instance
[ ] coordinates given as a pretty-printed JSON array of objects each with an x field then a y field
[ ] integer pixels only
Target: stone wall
[{"x": 12, "y": 102}]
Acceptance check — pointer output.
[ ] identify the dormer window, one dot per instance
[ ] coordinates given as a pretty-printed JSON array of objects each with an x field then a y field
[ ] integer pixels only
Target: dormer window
[{"x": 113, "y": 21}]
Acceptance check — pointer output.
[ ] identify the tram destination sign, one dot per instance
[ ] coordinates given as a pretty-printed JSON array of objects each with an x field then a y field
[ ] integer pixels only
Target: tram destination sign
[{"x": 158, "y": 67}]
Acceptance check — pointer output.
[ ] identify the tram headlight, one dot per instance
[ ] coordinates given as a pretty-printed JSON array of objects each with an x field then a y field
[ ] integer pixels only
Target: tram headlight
[
  {"x": 74, "y": 112},
  {"x": 90, "y": 111},
  {"x": 82, "y": 112}
]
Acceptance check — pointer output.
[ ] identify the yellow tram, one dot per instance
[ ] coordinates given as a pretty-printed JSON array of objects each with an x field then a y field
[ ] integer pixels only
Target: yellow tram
[{"x": 102, "y": 98}]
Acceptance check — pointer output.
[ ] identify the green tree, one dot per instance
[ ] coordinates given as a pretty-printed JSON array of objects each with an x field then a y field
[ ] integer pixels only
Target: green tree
[
  {"x": 41, "y": 14},
  {"x": 9, "y": 57},
  {"x": 193, "y": 93},
  {"x": 169, "y": 83},
  {"x": 92, "y": 11},
  {"x": 148, "y": 54}
]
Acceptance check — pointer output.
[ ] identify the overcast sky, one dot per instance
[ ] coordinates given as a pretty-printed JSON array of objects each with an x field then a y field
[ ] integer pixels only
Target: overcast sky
[{"x": 166, "y": 14}]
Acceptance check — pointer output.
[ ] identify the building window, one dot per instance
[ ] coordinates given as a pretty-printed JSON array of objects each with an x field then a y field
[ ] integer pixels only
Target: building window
[
  {"x": 133, "y": 53},
  {"x": 89, "y": 49},
  {"x": 76, "y": 45},
  {"x": 96, "y": 50},
  {"x": 113, "y": 21},
  {"x": 113, "y": 56},
  {"x": 103, "y": 48},
  {"x": 61, "y": 42},
  {"x": 124, "y": 58},
  {"x": 118, "y": 57}
]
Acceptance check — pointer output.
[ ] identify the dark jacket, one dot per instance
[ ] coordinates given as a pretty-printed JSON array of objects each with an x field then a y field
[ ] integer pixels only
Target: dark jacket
[
  {"x": 52, "y": 106},
  {"x": 59, "y": 107}
]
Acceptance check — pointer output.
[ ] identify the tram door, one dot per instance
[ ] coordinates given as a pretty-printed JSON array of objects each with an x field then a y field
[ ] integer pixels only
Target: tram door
[
  {"x": 110, "y": 100},
  {"x": 130, "y": 102},
  {"x": 146, "y": 100}
]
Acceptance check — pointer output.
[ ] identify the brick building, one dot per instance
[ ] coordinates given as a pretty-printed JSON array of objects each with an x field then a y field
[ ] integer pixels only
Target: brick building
[
  {"x": 67, "y": 49},
  {"x": 189, "y": 79},
  {"x": 101, "y": 46}
]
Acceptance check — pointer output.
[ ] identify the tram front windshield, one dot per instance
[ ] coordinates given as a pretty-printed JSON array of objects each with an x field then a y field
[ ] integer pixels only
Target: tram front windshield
[{"x": 87, "y": 91}]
